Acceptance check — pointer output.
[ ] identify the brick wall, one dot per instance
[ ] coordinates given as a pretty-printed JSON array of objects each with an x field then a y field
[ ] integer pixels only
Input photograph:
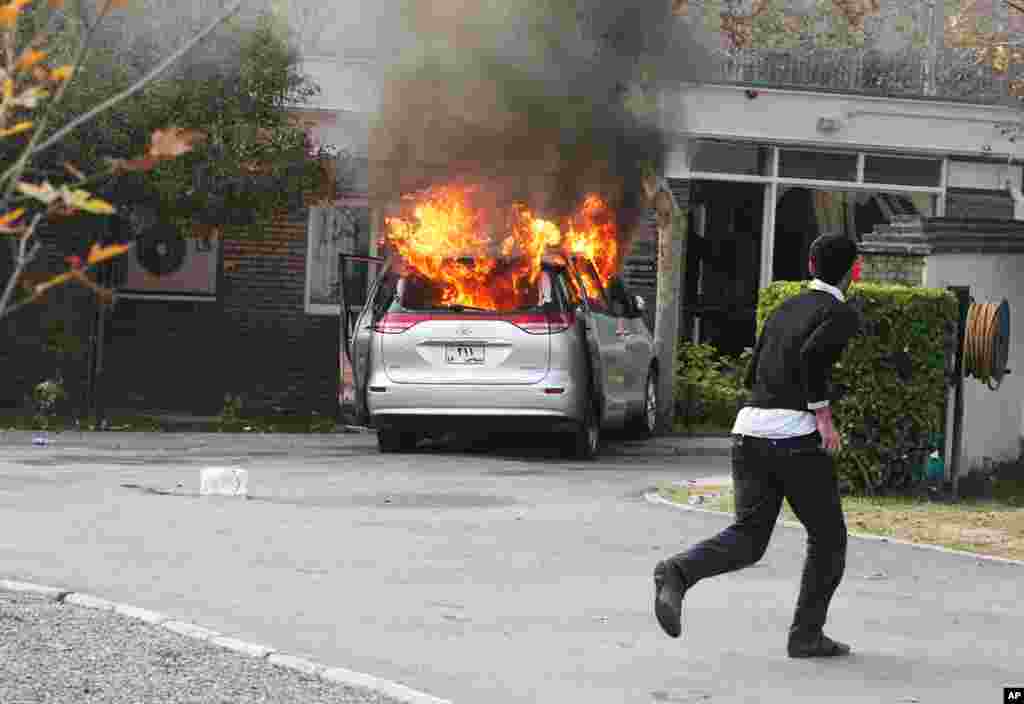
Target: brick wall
[
  {"x": 255, "y": 339},
  {"x": 263, "y": 308},
  {"x": 893, "y": 268}
]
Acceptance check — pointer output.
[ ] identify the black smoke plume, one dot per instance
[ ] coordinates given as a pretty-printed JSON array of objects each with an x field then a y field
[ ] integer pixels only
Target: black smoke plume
[{"x": 541, "y": 101}]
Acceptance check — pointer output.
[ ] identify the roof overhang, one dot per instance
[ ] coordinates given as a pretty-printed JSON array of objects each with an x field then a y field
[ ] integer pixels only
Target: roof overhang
[{"x": 824, "y": 120}]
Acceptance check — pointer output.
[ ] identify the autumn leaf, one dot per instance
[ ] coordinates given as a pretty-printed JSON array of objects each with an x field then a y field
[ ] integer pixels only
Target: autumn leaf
[
  {"x": 119, "y": 166},
  {"x": 7, "y": 218},
  {"x": 74, "y": 171},
  {"x": 29, "y": 58},
  {"x": 8, "y": 88},
  {"x": 30, "y": 98},
  {"x": 9, "y": 12},
  {"x": 56, "y": 4},
  {"x": 99, "y": 254},
  {"x": 106, "y": 5},
  {"x": 44, "y": 193},
  {"x": 16, "y": 129},
  {"x": 83, "y": 200},
  {"x": 42, "y": 288},
  {"x": 173, "y": 142},
  {"x": 62, "y": 73}
]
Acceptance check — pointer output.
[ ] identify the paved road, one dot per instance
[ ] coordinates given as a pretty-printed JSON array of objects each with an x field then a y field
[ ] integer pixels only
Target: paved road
[{"x": 498, "y": 577}]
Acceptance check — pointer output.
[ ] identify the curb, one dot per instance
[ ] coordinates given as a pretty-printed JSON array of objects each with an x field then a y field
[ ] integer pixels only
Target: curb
[
  {"x": 335, "y": 675},
  {"x": 653, "y": 498}
]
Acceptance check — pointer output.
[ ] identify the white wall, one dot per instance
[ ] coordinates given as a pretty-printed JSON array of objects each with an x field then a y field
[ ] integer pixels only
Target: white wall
[
  {"x": 992, "y": 425},
  {"x": 791, "y": 117}
]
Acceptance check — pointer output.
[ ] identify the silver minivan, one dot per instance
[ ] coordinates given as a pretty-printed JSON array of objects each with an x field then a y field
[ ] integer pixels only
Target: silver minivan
[{"x": 577, "y": 359}]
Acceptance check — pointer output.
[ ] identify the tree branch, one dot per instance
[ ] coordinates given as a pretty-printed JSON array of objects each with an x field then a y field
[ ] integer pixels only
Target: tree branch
[
  {"x": 23, "y": 260},
  {"x": 13, "y": 173},
  {"x": 139, "y": 84},
  {"x": 1015, "y": 6}
]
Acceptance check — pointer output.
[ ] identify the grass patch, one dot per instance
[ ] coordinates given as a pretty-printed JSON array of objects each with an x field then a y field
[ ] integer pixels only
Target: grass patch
[
  {"x": 60, "y": 424},
  {"x": 984, "y": 526}
]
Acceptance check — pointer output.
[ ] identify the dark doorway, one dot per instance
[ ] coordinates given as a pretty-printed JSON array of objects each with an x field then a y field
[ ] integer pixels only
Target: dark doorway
[
  {"x": 796, "y": 226},
  {"x": 724, "y": 264}
]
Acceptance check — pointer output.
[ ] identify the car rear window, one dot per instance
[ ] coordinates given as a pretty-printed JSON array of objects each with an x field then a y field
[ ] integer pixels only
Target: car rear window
[{"x": 416, "y": 292}]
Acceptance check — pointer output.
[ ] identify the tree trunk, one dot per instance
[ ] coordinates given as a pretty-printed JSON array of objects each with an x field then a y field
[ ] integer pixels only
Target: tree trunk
[{"x": 672, "y": 235}]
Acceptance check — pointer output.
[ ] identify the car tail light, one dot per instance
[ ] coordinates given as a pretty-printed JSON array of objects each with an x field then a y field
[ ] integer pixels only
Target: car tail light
[
  {"x": 560, "y": 322},
  {"x": 394, "y": 323},
  {"x": 542, "y": 323}
]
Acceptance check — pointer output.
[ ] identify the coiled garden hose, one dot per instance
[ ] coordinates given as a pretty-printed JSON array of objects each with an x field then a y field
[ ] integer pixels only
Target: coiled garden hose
[{"x": 987, "y": 342}]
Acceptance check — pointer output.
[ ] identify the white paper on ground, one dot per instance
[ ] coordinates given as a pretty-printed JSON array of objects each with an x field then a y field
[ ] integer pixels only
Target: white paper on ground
[{"x": 223, "y": 481}]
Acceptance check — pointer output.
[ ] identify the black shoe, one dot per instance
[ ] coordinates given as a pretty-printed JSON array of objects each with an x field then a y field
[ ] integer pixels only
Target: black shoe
[
  {"x": 820, "y": 646},
  {"x": 669, "y": 589}
]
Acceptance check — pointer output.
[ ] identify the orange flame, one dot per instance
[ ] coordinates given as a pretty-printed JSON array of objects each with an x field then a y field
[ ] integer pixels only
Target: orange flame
[{"x": 492, "y": 260}]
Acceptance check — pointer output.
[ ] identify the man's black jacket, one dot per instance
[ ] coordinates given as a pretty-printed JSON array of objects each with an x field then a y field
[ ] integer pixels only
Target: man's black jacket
[{"x": 792, "y": 363}]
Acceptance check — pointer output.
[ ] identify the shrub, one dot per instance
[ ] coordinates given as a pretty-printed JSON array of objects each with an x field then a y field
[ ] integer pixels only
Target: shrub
[
  {"x": 709, "y": 386},
  {"x": 894, "y": 377},
  {"x": 47, "y": 395}
]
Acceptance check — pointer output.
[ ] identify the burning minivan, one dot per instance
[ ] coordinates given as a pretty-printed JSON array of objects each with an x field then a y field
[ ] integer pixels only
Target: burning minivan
[{"x": 498, "y": 322}]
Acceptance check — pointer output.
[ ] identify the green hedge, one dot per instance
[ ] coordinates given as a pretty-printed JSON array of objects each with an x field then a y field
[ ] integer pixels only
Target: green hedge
[
  {"x": 708, "y": 387},
  {"x": 894, "y": 373}
]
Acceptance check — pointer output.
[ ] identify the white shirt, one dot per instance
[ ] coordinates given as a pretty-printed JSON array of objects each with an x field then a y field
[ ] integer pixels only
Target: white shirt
[{"x": 777, "y": 423}]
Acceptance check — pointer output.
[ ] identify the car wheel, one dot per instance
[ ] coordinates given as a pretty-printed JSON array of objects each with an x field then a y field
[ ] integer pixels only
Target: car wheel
[
  {"x": 395, "y": 441},
  {"x": 646, "y": 422},
  {"x": 586, "y": 440}
]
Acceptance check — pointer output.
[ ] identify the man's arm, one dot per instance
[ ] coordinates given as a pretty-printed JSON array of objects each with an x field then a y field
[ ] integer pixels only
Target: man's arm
[
  {"x": 748, "y": 379},
  {"x": 821, "y": 350}
]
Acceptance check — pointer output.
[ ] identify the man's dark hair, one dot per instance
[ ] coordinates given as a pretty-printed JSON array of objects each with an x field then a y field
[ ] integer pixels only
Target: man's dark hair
[{"x": 833, "y": 257}]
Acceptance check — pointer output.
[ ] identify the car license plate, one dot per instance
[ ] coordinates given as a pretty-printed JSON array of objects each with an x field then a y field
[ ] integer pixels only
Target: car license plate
[{"x": 464, "y": 354}]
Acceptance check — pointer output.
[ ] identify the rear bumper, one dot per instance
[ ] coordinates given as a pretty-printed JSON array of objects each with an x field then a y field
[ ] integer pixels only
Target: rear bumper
[{"x": 450, "y": 407}]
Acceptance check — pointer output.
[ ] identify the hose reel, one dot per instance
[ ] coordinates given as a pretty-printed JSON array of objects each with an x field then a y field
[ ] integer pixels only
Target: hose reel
[{"x": 986, "y": 345}]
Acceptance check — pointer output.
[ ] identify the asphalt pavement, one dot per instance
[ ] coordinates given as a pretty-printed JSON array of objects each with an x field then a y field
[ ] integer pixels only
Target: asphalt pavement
[{"x": 486, "y": 575}]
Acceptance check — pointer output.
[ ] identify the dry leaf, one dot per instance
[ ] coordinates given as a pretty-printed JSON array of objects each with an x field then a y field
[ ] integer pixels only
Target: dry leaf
[
  {"x": 74, "y": 171},
  {"x": 120, "y": 166},
  {"x": 99, "y": 254},
  {"x": 173, "y": 142},
  {"x": 7, "y": 219},
  {"x": 62, "y": 73},
  {"x": 83, "y": 200},
  {"x": 44, "y": 193},
  {"x": 9, "y": 12},
  {"x": 56, "y": 4},
  {"x": 30, "y": 97},
  {"x": 42, "y": 288},
  {"x": 16, "y": 129},
  {"x": 29, "y": 58}
]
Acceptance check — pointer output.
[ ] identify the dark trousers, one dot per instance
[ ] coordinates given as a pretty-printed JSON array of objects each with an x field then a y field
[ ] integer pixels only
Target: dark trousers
[{"x": 764, "y": 472}]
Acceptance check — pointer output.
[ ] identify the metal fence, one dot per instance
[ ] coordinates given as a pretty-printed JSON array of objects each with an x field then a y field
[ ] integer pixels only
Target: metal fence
[{"x": 957, "y": 75}]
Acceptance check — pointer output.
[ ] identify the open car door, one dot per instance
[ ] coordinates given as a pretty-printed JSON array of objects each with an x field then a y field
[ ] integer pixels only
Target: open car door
[
  {"x": 588, "y": 329},
  {"x": 358, "y": 277}
]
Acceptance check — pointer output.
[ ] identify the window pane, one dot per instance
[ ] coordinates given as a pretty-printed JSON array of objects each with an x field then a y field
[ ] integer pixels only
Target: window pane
[
  {"x": 903, "y": 171},
  {"x": 730, "y": 157},
  {"x": 333, "y": 231},
  {"x": 818, "y": 165}
]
